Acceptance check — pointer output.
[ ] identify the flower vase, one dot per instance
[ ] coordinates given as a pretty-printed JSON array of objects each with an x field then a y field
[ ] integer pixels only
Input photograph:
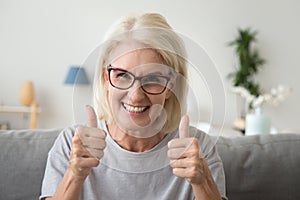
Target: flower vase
[{"x": 257, "y": 123}]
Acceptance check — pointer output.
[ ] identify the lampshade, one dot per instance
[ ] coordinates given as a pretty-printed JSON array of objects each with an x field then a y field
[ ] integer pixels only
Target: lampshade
[{"x": 76, "y": 75}]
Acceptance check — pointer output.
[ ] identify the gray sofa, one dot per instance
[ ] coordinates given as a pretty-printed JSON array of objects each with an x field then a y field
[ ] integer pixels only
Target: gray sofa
[{"x": 259, "y": 167}]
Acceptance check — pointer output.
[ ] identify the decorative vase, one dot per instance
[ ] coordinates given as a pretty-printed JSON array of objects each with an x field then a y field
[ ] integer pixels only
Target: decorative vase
[
  {"x": 257, "y": 123},
  {"x": 26, "y": 93}
]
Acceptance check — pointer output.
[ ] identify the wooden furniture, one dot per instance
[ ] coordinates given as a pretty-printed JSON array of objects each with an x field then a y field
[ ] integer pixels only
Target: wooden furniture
[{"x": 33, "y": 110}]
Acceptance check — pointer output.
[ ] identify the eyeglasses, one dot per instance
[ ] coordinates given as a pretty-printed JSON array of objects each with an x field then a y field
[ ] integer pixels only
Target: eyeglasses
[{"x": 152, "y": 84}]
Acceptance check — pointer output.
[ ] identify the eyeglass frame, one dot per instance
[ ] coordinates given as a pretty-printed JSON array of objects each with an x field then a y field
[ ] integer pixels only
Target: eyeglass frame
[{"x": 139, "y": 78}]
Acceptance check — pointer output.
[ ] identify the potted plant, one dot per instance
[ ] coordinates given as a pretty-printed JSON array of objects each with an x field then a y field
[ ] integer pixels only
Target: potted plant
[
  {"x": 242, "y": 78},
  {"x": 249, "y": 63}
]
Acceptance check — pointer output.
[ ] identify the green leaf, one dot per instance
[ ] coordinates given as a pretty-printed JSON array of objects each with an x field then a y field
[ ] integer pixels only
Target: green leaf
[{"x": 250, "y": 61}]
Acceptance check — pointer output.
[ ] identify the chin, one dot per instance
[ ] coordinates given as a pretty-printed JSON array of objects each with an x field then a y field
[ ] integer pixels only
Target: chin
[{"x": 139, "y": 128}]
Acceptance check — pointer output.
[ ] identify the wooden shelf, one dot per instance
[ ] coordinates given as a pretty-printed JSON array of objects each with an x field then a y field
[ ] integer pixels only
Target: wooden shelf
[
  {"x": 17, "y": 109},
  {"x": 33, "y": 110}
]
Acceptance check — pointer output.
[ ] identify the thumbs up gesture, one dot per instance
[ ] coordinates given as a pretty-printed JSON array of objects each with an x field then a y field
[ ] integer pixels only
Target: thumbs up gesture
[
  {"x": 184, "y": 153},
  {"x": 88, "y": 144}
]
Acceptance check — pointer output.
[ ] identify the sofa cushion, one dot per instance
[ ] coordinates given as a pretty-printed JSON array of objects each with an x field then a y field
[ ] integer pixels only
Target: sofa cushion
[
  {"x": 261, "y": 166},
  {"x": 23, "y": 155}
]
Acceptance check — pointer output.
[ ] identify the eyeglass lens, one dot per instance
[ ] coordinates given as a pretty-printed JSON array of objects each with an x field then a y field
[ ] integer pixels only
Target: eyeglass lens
[{"x": 152, "y": 84}]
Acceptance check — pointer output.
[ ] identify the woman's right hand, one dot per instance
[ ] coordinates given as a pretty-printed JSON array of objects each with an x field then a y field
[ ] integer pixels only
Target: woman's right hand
[{"x": 88, "y": 145}]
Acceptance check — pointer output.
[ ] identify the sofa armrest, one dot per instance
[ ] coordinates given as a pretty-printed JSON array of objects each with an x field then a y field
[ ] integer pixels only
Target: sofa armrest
[{"x": 23, "y": 159}]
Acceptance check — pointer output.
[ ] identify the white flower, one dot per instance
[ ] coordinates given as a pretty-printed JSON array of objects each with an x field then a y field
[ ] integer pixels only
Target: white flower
[
  {"x": 276, "y": 96},
  {"x": 258, "y": 101}
]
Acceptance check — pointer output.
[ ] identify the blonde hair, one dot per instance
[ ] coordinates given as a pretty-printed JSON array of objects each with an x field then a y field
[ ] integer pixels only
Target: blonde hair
[{"x": 153, "y": 31}]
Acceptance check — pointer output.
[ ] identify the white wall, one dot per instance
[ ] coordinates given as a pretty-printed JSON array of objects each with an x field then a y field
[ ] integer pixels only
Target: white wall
[{"x": 40, "y": 39}]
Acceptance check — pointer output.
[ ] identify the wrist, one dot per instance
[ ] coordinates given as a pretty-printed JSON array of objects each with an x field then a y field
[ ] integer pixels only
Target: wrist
[
  {"x": 73, "y": 176},
  {"x": 206, "y": 188}
]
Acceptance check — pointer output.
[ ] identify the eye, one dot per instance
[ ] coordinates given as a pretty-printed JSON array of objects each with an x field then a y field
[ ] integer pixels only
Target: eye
[
  {"x": 123, "y": 75},
  {"x": 153, "y": 79}
]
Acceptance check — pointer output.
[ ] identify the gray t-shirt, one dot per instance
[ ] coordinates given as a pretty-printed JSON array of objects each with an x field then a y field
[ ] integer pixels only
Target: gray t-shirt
[{"x": 122, "y": 174}]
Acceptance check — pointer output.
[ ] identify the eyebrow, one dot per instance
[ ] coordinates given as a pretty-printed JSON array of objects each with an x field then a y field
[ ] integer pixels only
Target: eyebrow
[
  {"x": 150, "y": 73},
  {"x": 155, "y": 73}
]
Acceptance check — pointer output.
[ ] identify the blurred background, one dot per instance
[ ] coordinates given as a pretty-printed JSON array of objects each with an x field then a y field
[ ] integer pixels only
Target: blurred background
[{"x": 40, "y": 40}]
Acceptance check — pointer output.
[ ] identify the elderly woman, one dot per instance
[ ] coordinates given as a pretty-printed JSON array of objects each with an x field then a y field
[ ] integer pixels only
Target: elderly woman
[{"x": 139, "y": 146}]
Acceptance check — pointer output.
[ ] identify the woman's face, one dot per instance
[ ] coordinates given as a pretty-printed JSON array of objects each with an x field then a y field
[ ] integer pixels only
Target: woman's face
[{"x": 134, "y": 111}]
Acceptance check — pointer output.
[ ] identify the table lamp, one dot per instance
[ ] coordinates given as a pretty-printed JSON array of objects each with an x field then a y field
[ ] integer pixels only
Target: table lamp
[{"x": 76, "y": 76}]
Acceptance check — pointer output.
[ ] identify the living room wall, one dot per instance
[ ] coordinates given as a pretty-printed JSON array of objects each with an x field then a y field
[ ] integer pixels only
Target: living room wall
[{"x": 41, "y": 39}]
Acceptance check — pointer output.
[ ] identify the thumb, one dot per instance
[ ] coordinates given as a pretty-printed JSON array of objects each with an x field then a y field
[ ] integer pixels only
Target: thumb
[
  {"x": 184, "y": 127},
  {"x": 91, "y": 116}
]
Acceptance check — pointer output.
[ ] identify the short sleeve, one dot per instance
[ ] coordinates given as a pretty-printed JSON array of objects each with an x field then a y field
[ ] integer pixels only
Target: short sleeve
[{"x": 57, "y": 162}]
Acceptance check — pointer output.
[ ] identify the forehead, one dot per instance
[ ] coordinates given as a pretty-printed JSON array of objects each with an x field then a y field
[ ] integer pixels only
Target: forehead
[{"x": 137, "y": 57}]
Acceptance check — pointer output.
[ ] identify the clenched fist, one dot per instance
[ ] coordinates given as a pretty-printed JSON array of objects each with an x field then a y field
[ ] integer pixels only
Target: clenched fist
[
  {"x": 88, "y": 144},
  {"x": 185, "y": 155}
]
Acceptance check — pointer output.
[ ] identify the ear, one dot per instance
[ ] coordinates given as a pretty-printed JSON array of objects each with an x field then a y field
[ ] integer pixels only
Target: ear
[
  {"x": 169, "y": 93},
  {"x": 169, "y": 89},
  {"x": 106, "y": 78}
]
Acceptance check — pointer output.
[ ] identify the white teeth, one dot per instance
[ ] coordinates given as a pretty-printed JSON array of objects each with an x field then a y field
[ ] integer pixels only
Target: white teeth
[{"x": 134, "y": 109}]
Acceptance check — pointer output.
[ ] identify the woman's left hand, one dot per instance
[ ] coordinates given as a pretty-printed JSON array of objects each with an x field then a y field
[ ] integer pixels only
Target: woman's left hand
[{"x": 185, "y": 155}]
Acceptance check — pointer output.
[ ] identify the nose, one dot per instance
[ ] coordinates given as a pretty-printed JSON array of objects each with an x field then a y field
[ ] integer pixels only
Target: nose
[{"x": 136, "y": 92}]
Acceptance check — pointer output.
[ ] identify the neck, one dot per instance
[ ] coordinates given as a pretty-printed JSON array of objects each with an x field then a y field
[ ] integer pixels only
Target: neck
[{"x": 131, "y": 143}]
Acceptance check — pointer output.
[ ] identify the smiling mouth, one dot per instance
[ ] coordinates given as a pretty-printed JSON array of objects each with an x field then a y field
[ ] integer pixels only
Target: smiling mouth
[{"x": 135, "y": 109}]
